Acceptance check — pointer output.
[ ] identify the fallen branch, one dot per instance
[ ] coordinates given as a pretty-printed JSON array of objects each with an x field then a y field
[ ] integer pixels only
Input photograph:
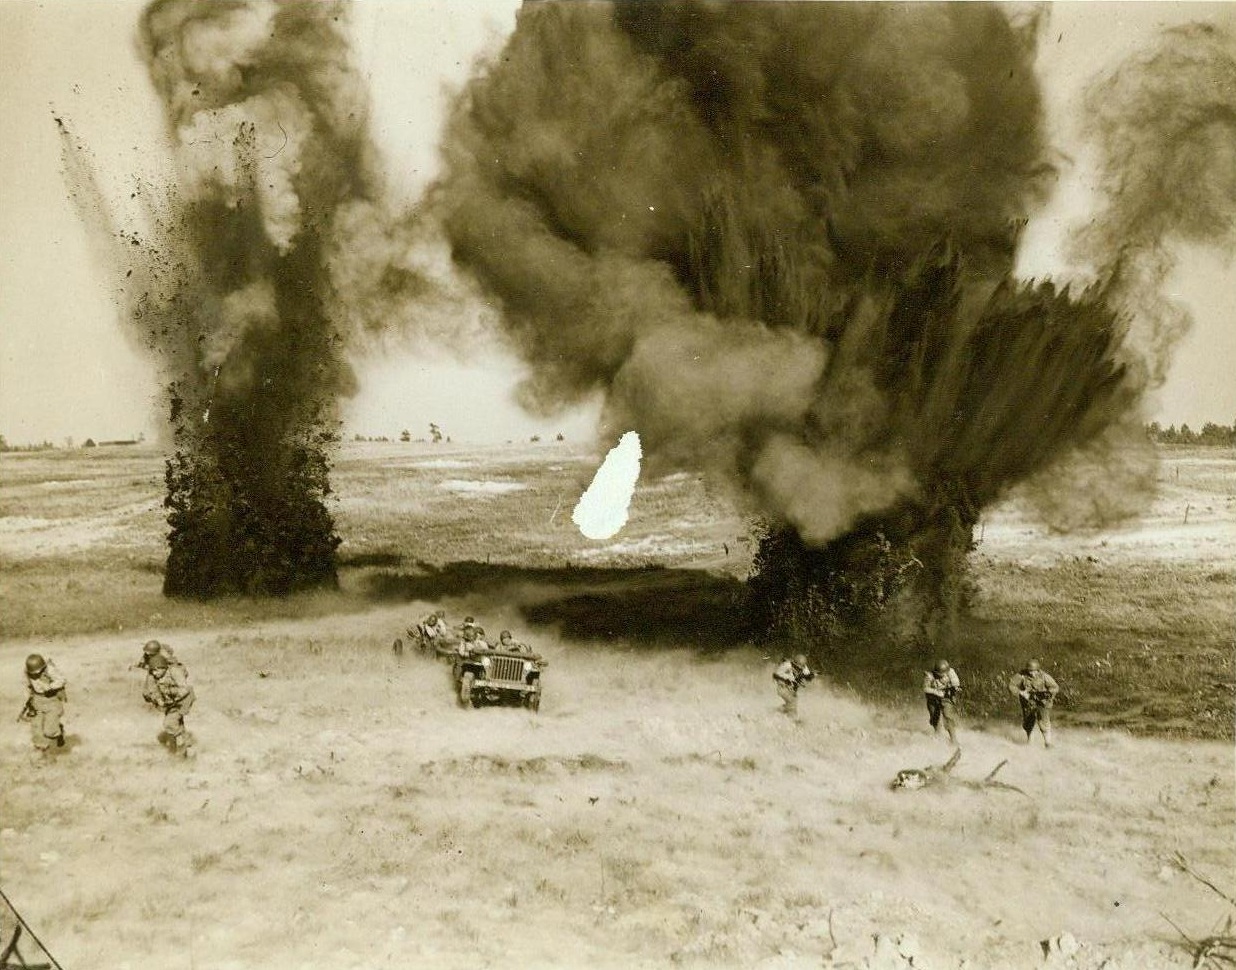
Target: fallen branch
[
  {"x": 1183, "y": 865},
  {"x": 913, "y": 779},
  {"x": 1219, "y": 948}
]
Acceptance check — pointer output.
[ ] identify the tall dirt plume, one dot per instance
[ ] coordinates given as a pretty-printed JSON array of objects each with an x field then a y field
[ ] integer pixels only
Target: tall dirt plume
[
  {"x": 267, "y": 253},
  {"x": 779, "y": 239}
]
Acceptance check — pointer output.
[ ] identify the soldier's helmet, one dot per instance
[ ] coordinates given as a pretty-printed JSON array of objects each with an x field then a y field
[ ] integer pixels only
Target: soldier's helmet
[
  {"x": 504, "y": 636},
  {"x": 35, "y": 664},
  {"x": 1032, "y": 666},
  {"x": 469, "y": 621},
  {"x": 941, "y": 666},
  {"x": 151, "y": 648},
  {"x": 158, "y": 663},
  {"x": 800, "y": 659}
]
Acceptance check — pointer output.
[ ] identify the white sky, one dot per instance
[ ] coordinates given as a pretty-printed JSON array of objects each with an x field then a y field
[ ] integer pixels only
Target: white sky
[{"x": 67, "y": 370}]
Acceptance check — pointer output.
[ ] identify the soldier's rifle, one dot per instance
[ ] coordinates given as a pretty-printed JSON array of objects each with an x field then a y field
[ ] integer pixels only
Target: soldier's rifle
[{"x": 27, "y": 710}]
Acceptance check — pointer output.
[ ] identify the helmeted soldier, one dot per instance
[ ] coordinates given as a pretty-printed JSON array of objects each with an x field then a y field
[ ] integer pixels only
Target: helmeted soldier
[
  {"x": 434, "y": 626},
  {"x": 941, "y": 686},
  {"x": 167, "y": 688},
  {"x": 153, "y": 648},
  {"x": 791, "y": 674},
  {"x": 45, "y": 700},
  {"x": 1036, "y": 689},
  {"x": 507, "y": 642},
  {"x": 467, "y": 641}
]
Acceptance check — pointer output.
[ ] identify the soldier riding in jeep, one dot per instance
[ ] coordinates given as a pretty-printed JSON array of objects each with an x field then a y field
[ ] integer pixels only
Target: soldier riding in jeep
[{"x": 504, "y": 672}]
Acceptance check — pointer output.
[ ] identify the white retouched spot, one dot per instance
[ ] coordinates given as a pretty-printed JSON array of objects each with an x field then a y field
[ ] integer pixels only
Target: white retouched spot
[{"x": 602, "y": 509}]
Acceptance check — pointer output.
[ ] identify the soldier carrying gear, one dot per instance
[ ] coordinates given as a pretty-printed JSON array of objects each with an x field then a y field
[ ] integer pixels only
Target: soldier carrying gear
[
  {"x": 790, "y": 675},
  {"x": 167, "y": 688},
  {"x": 1036, "y": 690},
  {"x": 941, "y": 687},
  {"x": 45, "y": 701}
]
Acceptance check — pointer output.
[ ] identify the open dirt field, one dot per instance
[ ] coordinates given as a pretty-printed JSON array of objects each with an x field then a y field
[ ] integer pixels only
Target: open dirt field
[{"x": 342, "y": 811}]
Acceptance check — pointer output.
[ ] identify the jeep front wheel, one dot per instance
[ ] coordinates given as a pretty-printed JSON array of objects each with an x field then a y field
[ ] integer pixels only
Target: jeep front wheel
[
  {"x": 533, "y": 702},
  {"x": 465, "y": 688}
]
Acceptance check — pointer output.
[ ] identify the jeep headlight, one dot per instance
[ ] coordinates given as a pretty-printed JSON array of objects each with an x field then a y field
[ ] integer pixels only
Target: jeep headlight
[
  {"x": 528, "y": 667},
  {"x": 485, "y": 662}
]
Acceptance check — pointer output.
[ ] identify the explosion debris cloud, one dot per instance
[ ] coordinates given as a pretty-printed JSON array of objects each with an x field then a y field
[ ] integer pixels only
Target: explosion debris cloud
[
  {"x": 779, "y": 238},
  {"x": 247, "y": 286}
]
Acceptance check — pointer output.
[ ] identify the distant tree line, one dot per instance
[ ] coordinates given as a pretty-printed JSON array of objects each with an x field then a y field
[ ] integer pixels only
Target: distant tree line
[
  {"x": 41, "y": 446},
  {"x": 1211, "y": 434}
]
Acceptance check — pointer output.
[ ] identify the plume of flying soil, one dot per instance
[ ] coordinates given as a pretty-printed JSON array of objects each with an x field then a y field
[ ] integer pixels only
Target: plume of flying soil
[
  {"x": 266, "y": 256},
  {"x": 779, "y": 238}
]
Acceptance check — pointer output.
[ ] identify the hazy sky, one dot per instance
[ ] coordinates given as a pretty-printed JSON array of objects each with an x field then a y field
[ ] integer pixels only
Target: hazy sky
[{"x": 66, "y": 368}]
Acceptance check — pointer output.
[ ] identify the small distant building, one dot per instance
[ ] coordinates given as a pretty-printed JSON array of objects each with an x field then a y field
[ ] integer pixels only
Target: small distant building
[{"x": 89, "y": 443}]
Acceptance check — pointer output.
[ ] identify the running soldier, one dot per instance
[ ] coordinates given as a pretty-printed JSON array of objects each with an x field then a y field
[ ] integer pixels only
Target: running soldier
[
  {"x": 45, "y": 701},
  {"x": 1037, "y": 690},
  {"x": 941, "y": 686},
  {"x": 167, "y": 688},
  {"x": 790, "y": 675}
]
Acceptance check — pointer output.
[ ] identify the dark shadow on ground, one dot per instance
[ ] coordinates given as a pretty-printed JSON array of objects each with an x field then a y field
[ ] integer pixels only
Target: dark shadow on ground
[{"x": 647, "y": 606}]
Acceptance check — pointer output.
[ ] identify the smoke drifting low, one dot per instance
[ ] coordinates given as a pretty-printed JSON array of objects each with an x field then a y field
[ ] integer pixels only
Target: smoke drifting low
[{"x": 779, "y": 238}]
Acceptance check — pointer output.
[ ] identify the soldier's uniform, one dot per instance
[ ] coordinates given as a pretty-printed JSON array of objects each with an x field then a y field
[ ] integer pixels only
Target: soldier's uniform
[
  {"x": 940, "y": 687},
  {"x": 434, "y": 627},
  {"x": 45, "y": 699},
  {"x": 789, "y": 676},
  {"x": 167, "y": 687},
  {"x": 1036, "y": 690}
]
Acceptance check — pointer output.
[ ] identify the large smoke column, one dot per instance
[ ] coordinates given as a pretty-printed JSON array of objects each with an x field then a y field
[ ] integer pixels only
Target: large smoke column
[
  {"x": 779, "y": 238},
  {"x": 1163, "y": 128},
  {"x": 258, "y": 265}
]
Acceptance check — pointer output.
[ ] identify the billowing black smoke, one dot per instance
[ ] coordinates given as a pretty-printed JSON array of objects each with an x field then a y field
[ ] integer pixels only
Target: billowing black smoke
[
  {"x": 258, "y": 265},
  {"x": 779, "y": 238}
]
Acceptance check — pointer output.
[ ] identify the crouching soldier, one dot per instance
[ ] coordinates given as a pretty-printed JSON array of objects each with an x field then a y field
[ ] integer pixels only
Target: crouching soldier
[
  {"x": 941, "y": 686},
  {"x": 789, "y": 676},
  {"x": 167, "y": 688},
  {"x": 45, "y": 699},
  {"x": 1037, "y": 690}
]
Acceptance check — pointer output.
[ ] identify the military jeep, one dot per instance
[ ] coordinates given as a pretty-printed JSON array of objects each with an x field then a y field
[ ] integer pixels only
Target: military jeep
[{"x": 496, "y": 676}]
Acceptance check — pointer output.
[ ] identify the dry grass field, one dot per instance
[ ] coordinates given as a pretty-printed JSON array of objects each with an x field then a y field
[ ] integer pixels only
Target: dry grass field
[{"x": 343, "y": 812}]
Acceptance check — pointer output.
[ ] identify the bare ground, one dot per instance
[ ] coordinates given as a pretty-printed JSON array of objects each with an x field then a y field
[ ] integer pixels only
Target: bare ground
[{"x": 343, "y": 812}]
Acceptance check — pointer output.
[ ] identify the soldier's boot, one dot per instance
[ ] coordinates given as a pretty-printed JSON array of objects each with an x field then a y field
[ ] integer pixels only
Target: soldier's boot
[{"x": 60, "y": 742}]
